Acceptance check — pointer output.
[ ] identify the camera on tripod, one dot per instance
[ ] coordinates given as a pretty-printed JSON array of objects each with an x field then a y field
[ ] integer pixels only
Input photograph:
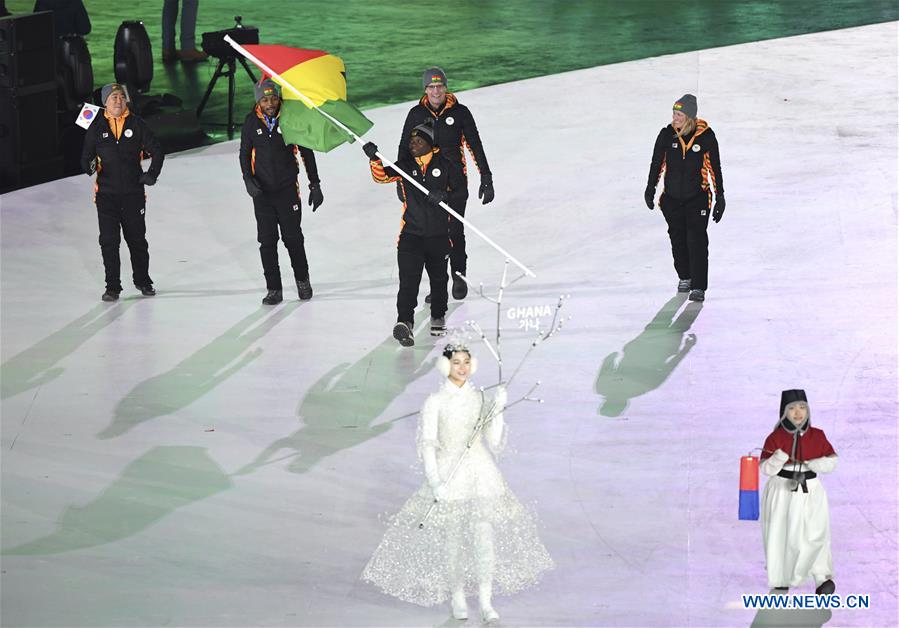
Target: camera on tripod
[{"x": 214, "y": 43}]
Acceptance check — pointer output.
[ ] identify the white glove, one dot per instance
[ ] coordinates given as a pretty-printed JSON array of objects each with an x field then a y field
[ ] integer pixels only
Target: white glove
[
  {"x": 496, "y": 427},
  {"x": 429, "y": 457},
  {"x": 501, "y": 399},
  {"x": 822, "y": 465},
  {"x": 440, "y": 492},
  {"x": 773, "y": 465}
]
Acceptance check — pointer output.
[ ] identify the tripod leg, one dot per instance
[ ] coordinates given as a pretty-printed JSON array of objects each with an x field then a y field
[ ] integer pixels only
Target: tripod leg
[
  {"x": 246, "y": 67},
  {"x": 215, "y": 75},
  {"x": 231, "y": 69}
]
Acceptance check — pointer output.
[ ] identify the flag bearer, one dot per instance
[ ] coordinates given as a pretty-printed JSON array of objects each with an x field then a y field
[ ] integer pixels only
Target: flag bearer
[
  {"x": 424, "y": 236},
  {"x": 270, "y": 171}
]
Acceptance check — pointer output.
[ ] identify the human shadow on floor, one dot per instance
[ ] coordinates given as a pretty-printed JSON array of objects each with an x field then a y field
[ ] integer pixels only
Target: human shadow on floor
[
  {"x": 36, "y": 365},
  {"x": 198, "y": 374},
  {"x": 337, "y": 412},
  {"x": 645, "y": 362},
  {"x": 804, "y": 617},
  {"x": 161, "y": 481}
]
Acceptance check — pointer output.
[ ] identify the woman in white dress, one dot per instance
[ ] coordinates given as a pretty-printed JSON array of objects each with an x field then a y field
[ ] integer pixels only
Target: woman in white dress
[{"x": 476, "y": 536}]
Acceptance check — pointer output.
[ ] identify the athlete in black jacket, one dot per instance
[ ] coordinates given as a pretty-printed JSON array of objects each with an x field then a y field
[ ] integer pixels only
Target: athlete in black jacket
[
  {"x": 424, "y": 234},
  {"x": 114, "y": 146},
  {"x": 454, "y": 130},
  {"x": 270, "y": 171},
  {"x": 687, "y": 152}
]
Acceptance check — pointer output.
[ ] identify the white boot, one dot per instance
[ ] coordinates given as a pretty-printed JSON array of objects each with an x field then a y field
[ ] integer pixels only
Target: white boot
[
  {"x": 488, "y": 613},
  {"x": 460, "y": 607}
]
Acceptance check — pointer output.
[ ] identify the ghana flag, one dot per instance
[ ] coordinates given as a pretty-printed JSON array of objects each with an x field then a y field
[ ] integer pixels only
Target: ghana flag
[{"x": 321, "y": 77}]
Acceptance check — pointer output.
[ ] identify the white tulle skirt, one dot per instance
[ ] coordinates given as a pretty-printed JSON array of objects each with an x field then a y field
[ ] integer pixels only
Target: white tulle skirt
[{"x": 464, "y": 542}]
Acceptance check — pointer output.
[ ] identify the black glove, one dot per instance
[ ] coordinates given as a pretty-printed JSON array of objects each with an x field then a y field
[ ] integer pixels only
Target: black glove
[
  {"x": 719, "y": 208},
  {"x": 486, "y": 190},
  {"x": 147, "y": 179},
  {"x": 399, "y": 192},
  {"x": 650, "y": 196},
  {"x": 316, "y": 198},
  {"x": 370, "y": 148},
  {"x": 253, "y": 188},
  {"x": 436, "y": 197}
]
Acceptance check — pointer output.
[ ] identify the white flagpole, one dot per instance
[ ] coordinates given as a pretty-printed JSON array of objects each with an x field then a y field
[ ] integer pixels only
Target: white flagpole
[{"x": 384, "y": 160}]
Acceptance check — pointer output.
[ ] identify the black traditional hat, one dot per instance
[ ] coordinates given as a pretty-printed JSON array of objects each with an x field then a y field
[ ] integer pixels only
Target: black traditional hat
[{"x": 791, "y": 396}]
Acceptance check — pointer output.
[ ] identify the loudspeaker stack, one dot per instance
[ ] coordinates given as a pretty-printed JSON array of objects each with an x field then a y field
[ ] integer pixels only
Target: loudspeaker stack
[{"x": 29, "y": 142}]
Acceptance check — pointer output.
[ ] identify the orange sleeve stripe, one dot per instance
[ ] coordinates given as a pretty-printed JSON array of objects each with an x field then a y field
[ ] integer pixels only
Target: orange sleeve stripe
[
  {"x": 708, "y": 173},
  {"x": 462, "y": 147},
  {"x": 379, "y": 175}
]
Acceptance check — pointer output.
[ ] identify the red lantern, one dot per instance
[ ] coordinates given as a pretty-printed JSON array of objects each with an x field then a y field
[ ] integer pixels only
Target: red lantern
[{"x": 749, "y": 488}]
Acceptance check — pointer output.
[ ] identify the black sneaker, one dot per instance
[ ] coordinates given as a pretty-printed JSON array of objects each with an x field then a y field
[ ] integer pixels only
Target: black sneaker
[
  {"x": 438, "y": 326},
  {"x": 109, "y": 296},
  {"x": 827, "y": 588},
  {"x": 460, "y": 288},
  {"x": 272, "y": 297},
  {"x": 147, "y": 290},
  {"x": 697, "y": 295},
  {"x": 304, "y": 289},
  {"x": 403, "y": 332},
  {"x": 683, "y": 285}
]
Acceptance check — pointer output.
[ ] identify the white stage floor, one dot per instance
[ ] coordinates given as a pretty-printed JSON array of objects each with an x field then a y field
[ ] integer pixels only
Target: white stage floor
[{"x": 197, "y": 459}]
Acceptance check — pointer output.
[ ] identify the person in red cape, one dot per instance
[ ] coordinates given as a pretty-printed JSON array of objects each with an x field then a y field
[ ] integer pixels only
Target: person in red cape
[{"x": 795, "y": 514}]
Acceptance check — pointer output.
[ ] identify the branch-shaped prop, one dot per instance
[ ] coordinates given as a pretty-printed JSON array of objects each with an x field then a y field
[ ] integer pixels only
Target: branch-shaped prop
[{"x": 554, "y": 327}]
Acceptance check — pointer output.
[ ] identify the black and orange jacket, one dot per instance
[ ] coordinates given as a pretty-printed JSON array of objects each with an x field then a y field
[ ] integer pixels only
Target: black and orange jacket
[
  {"x": 691, "y": 164},
  {"x": 436, "y": 174},
  {"x": 264, "y": 155},
  {"x": 454, "y": 130},
  {"x": 116, "y": 147}
]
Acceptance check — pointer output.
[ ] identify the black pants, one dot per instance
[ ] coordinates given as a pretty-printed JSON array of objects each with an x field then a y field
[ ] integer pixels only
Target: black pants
[
  {"x": 458, "y": 257},
  {"x": 413, "y": 254},
  {"x": 120, "y": 214},
  {"x": 274, "y": 209},
  {"x": 688, "y": 223}
]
